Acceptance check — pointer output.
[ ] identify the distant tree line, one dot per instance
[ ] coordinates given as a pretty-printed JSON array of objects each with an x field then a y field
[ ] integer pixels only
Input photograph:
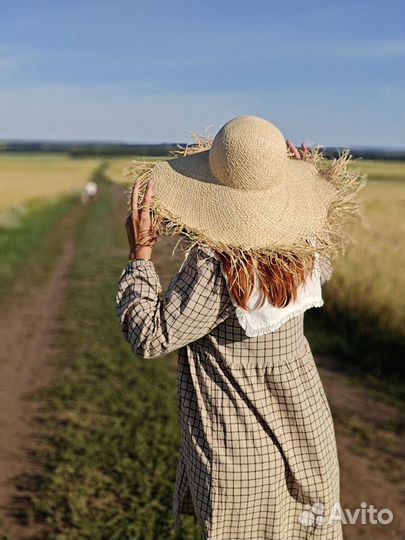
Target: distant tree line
[
  {"x": 86, "y": 150},
  {"x": 90, "y": 149},
  {"x": 78, "y": 150}
]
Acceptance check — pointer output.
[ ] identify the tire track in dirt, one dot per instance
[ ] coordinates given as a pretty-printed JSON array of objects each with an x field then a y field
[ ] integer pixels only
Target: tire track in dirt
[{"x": 28, "y": 327}]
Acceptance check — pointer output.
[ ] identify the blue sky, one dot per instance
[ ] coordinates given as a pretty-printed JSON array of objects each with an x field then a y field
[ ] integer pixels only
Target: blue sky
[{"x": 327, "y": 73}]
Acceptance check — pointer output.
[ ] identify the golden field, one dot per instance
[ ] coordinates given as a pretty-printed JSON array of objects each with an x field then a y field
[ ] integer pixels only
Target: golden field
[
  {"x": 370, "y": 277},
  {"x": 26, "y": 177},
  {"x": 118, "y": 165}
]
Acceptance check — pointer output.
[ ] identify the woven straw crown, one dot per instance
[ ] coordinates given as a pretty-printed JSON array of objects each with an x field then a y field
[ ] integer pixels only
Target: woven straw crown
[{"x": 248, "y": 153}]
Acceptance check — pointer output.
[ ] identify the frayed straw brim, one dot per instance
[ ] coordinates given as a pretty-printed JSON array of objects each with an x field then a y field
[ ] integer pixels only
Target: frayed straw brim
[{"x": 305, "y": 214}]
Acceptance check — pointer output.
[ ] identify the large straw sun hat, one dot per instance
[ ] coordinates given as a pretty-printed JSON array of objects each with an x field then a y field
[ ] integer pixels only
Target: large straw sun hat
[{"x": 242, "y": 193}]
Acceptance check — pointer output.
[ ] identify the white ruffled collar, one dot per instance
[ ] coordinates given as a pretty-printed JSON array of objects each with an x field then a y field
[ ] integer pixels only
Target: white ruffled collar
[{"x": 268, "y": 318}]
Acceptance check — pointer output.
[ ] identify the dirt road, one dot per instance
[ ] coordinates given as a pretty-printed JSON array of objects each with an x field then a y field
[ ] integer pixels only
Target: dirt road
[
  {"x": 27, "y": 330},
  {"x": 370, "y": 442}
]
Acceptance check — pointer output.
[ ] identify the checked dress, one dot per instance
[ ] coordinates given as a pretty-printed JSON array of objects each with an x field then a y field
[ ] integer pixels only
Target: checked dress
[{"x": 258, "y": 457}]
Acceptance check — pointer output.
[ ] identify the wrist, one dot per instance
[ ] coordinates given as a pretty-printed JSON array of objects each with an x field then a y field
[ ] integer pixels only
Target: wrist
[{"x": 140, "y": 254}]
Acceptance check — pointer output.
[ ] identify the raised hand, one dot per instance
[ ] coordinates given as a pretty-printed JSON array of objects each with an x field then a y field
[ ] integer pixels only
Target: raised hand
[{"x": 138, "y": 224}]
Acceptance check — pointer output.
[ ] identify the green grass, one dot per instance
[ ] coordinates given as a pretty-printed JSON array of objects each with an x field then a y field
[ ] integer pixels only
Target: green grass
[
  {"x": 364, "y": 352},
  {"x": 111, "y": 456},
  {"x": 393, "y": 171},
  {"x": 117, "y": 165},
  {"x": 26, "y": 244}
]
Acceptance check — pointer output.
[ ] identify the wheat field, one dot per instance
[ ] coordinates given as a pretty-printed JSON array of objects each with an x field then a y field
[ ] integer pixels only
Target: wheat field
[
  {"x": 24, "y": 177},
  {"x": 370, "y": 277}
]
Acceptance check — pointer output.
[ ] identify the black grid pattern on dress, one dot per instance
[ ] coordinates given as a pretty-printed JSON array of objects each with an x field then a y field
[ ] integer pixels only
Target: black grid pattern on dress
[{"x": 258, "y": 446}]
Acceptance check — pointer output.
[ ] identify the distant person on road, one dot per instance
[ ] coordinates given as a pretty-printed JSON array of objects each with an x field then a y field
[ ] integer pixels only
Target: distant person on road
[
  {"x": 258, "y": 456},
  {"x": 89, "y": 191}
]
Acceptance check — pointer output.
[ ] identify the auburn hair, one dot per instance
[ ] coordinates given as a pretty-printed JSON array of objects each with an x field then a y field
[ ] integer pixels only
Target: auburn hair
[{"x": 278, "y": 282}]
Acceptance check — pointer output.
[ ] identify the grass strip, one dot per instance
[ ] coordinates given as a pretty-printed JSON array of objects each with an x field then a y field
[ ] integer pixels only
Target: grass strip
[{"x": 25, "y": 242}]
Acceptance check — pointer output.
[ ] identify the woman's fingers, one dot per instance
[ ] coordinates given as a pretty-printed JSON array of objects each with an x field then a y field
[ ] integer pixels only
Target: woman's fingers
[
  {"x": 304, "y": 151},
  {"x": 301, "y": 153},
  {"x": 129, "y": 226},
  {"x": 144, "y": 209},
  {"x": 134, "y": 199},
  {"x": 293, "y": 149},
  {"x": 138, "y": 224},
  {"x": 144, "y": 224},
  {"x": 148, "y": 196}
]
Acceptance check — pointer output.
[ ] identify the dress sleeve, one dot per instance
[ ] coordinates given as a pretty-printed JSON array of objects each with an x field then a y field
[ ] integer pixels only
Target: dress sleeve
[{"x": 195, "y": 302}]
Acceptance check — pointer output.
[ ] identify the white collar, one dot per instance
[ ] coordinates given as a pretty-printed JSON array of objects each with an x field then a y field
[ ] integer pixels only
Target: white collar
[{"x": 269, "y": 318}]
